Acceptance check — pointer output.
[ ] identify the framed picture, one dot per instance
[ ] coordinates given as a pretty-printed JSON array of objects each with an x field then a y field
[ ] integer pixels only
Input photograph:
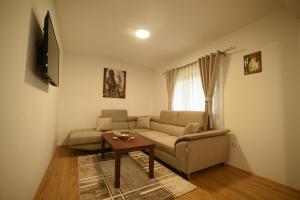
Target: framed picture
[
  {"x": 252, "y": 63},
  {"x": 114, "y": 83}
]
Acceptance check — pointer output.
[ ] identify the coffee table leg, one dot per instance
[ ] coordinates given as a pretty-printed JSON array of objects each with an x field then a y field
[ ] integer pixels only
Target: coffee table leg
[
  {"x": 117, "y": 169},
  {"x": 102, "y": 148},
  {"x": 151, "y": 162}
]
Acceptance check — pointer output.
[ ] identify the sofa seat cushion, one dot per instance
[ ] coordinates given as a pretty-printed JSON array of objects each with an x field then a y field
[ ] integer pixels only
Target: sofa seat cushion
[
  {"x": 167, "y": 128},
  {"x": 84, "y": 136},
  {"x": 162, "y": 141},
  {"x": 139, "y": 130}
]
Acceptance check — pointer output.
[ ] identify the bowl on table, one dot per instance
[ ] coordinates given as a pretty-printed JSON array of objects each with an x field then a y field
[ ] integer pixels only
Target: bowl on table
[
  {"x": 121, "y": 136},
  {"x": 124, "y": 137}
]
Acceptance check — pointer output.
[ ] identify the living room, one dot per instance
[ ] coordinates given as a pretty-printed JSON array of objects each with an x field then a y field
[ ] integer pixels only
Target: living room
[{"x": 261, "y": 109}]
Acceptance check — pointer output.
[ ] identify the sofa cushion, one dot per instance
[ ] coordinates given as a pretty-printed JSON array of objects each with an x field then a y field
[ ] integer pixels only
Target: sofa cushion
[
  {"x": 103, "y": 124},
  {"x": 168, "y": 117},
  {"x": 116, "y": 115},
  {"x": 191, "y": 128},
  {"x": 166, "y": 128},
  {"x": 143, "y": 122},
  {"x": 186, "y": 117},
  {"x": 162, "y": 141},
  {"x": 84, "y": 136}
]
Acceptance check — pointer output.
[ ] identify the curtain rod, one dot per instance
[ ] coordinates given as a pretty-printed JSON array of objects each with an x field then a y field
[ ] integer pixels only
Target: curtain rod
[{"x": 222, "y": 53}]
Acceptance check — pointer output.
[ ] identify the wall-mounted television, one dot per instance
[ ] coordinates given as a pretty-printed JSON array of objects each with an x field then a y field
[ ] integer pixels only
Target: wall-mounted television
[{"x": 48, "y": 54}]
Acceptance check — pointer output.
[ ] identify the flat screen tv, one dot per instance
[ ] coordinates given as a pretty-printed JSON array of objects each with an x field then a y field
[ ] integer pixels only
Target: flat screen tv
[{"x": 48, "y": 54}]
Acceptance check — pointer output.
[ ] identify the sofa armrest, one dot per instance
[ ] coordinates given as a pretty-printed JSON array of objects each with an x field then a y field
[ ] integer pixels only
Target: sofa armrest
[
  {"x": 205, "y": 134},
  {"x": 194, "y": 155}
]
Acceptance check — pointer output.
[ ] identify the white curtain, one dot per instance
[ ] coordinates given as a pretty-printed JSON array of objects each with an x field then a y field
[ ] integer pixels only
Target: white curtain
[
  {"x": 171, "y": 77},
  {"x": 188, "y": 93}
]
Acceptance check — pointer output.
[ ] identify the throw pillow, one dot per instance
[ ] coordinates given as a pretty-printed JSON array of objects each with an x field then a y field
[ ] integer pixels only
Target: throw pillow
[
  {"x": 143, "y": 122},
  {"x": 191, "y": 128},
  {"x": 103, "y": 124}
]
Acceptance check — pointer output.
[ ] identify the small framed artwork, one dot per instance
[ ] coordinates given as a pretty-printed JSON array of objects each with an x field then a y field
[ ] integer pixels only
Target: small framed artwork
[
  {"x": 252, "y": 63},
  {"x": 114, "y": 83}
]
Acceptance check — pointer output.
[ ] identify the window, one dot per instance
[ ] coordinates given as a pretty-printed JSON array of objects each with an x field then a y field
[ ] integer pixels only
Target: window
[{"x": 188, "y": 92}]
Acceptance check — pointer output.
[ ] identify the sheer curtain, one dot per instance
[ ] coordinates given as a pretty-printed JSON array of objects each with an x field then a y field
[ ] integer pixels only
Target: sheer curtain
[
  {"x": 188, "y": 93},
  {"x": 171, "y": 77}
]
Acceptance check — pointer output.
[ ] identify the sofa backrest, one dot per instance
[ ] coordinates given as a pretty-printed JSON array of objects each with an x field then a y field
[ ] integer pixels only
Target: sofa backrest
[
  {"x": 182, "y": 118},
  {"x": 168, "y": 117},
  {"x": 119, "y": 118},
  {"x": 116, "y": 115},
  {"x": 167, "y": 128}
]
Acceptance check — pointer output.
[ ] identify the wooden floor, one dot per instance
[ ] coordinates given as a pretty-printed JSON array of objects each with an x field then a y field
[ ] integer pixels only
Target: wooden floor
[{"x": 219, "y": 182}]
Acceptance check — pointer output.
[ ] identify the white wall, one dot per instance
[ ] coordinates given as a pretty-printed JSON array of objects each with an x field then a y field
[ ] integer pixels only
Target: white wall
[
  {"x": 81, "y": 98},
  {"x": 28, "y": 105},
  {"x": 262, "y": 110}
]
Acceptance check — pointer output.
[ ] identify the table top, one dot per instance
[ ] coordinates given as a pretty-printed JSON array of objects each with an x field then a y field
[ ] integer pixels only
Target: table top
[{"x": 137, "y": 142}]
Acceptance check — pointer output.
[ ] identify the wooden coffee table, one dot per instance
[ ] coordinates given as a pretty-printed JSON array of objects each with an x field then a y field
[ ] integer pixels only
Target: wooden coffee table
[{"x": 121, "y": 147}]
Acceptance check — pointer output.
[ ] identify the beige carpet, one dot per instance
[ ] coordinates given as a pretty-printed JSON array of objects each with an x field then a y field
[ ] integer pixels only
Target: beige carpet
[{"x": 96, "y": 179}]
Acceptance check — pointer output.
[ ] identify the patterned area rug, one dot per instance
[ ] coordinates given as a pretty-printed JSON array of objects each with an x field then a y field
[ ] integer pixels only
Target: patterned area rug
[{"x": 96, "y": 179}]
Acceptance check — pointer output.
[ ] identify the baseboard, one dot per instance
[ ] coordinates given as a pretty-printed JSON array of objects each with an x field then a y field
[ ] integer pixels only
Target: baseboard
[{"x": 265, "y": 179}]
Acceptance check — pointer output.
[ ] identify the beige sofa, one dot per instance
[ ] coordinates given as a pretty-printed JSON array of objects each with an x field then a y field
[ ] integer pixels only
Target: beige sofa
[
  {"x": 187, "y": 153},
  {"x": 90, "y": 139}
]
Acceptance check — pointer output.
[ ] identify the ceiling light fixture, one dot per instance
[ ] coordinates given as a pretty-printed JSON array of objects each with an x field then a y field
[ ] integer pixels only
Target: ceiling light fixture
[{"x": 142, "y": 34}]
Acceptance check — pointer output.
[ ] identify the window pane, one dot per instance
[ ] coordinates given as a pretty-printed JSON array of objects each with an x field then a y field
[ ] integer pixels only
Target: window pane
[{"x": 188, "y": 93}]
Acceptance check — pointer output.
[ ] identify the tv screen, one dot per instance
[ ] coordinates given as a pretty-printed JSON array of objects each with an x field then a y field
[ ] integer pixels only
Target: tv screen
[{"x": 48, "y": 58}]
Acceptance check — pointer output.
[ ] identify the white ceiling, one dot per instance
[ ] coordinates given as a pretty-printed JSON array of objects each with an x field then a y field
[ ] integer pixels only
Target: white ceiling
[{"x": 105, "y": 28}]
